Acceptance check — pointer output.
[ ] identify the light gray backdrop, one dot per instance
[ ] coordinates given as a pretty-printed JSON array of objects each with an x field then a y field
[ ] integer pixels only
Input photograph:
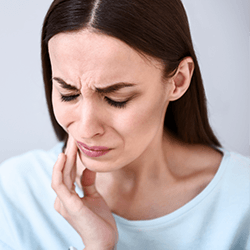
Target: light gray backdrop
[{"x": 220, "y": 30}]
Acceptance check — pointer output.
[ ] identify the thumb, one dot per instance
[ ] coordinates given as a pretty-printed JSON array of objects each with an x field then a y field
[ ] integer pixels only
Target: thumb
[{"x": 88, "y": 183}]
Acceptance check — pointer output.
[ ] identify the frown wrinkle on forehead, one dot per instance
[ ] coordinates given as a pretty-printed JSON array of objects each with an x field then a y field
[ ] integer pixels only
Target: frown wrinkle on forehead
[
  {"x": 104, "y": 90},
  {"x": 96, "y": 59}
]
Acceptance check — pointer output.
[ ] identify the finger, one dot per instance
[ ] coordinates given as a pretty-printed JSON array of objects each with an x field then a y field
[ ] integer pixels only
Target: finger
[
  {"x": 88, "y": 183},
  {"x": 58, "y": 167},
  {"x": 67, "y": 200},
  {"x": 69, "y": 173},
  {"x": 57, "y": 205},
  {"x": 57, "y": 178},
  {"x": 70, "y": 144}
]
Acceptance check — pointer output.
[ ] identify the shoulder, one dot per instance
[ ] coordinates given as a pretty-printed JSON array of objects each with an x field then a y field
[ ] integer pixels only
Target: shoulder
[
  {"x": 32, "y": 157},
  {"x": 26, "y": 200},
  {"x": 231, "y": 185},
  {"x": 237, "y": 159},
  {"x": 236, "y": 171},
  {"x": 20, "y": 169},
  {"x": 236, "y": 164}
]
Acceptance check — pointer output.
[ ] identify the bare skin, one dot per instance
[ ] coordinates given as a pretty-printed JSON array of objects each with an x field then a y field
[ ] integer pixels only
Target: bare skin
[
  {"x": 145, "y": 164},
  {"x": 163, "y": 192},
  {"x": 91, "y": 216}
]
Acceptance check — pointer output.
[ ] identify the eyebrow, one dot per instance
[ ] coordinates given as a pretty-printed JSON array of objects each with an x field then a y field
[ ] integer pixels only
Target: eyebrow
[
  {"x": 64, "y": 84},
  {"x": 106, "y": 90},
  {"x": 113, "y": 88}
]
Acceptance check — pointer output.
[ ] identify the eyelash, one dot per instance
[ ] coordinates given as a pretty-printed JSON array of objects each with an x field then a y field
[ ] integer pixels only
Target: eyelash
[
  {"x": 116, "y": 104},
  {"x": 68, "y": 98}
]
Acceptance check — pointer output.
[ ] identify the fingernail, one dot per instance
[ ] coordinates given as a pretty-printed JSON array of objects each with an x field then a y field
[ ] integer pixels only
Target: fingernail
[{"x": 60, "y": 156}]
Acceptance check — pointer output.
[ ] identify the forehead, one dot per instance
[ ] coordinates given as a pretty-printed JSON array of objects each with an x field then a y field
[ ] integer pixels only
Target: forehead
[{"x": 89, "y": 54}]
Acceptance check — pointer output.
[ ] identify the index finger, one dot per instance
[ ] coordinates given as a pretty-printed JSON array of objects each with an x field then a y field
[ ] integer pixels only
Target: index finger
[
  {"x": 69, "y": 172},
  {"x": 71, "y": 148},
  {"x": 57, "y": 183}
]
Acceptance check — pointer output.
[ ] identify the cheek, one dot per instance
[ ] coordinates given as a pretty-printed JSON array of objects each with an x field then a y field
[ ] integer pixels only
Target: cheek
[
  {"x": 61, "y": 111},
  {"x": 141, "y": 124}
]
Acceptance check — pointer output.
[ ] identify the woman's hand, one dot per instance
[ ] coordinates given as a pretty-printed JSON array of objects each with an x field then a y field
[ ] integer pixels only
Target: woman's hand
[{"x": 90, "y": 216}]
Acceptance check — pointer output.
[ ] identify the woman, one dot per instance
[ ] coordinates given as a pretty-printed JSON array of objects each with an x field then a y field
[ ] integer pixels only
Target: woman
[{"x": 141, "y": 167}]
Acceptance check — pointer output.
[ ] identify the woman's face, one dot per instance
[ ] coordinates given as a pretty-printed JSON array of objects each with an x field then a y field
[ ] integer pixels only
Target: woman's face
[{"x": 108, "y": 97}]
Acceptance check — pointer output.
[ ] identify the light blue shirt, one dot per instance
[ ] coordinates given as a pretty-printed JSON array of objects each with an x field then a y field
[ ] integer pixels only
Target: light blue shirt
[{"x": 217, "y": 219}]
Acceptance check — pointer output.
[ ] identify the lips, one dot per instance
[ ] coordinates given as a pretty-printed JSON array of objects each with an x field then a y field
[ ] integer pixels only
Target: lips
[{"x": 94, "y": 151}]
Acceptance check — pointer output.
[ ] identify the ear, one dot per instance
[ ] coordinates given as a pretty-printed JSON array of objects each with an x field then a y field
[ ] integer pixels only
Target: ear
[{"x": 181, "y": 79}]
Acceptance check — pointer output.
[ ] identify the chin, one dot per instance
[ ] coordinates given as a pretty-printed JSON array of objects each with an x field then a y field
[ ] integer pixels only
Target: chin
[{"x": 99, "y": 165}]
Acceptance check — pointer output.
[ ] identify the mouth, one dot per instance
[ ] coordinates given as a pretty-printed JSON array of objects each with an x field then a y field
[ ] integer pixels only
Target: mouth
[{"x": 95, "y": 151}]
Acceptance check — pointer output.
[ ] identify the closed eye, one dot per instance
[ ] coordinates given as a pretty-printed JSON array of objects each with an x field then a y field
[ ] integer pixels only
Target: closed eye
[
  {"x": 68, "y": 98},
  {"x": 115, "y": 104}
]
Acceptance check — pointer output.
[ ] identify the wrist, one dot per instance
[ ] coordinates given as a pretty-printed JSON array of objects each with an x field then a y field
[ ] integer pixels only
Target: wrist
[{"x": 101, "y": 248}]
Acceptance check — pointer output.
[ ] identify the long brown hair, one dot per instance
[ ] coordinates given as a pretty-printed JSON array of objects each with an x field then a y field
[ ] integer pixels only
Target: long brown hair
[{"x": 156, "y": 28}]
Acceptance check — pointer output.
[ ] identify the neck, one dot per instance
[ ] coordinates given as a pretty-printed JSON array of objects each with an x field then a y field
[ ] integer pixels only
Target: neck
[{"x": 153, "y": 166}]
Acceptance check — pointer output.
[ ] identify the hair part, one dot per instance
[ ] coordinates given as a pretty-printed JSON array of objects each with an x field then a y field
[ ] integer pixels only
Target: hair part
[{"x": 158, "y": 29}]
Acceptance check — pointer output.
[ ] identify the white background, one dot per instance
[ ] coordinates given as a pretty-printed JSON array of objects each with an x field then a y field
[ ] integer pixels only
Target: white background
[{"x": 220, "y": 30}]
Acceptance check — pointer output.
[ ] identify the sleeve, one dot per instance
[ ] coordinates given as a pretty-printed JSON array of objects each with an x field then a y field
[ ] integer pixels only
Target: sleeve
[{"x": 3, "y": 246}]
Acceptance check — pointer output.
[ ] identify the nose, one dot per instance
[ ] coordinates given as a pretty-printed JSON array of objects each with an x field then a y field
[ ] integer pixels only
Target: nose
[{"x": 90, "y": 122}]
